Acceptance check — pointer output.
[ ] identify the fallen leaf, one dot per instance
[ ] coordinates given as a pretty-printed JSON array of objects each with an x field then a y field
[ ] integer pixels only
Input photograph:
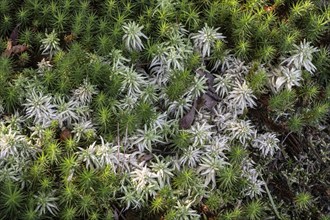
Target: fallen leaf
[
  {"x": 269, "y": 8},
  {"x": 9, "y": 45},
  {"x": 187, "y": 120},
  {"x": 208, "y": 101},
  {"x": 328, "y": 191},
  {"x": 19, "y": 49},
  {"x": 65, "y": 134},
  {"x": 14, "y": 34},
  {"x": 69, "y": 38},
  {"x": 12, "y": 50}
]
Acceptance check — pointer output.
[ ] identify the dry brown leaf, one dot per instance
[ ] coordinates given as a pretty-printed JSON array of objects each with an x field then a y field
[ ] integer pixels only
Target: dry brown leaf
[
  {"x": 188, "y": 119},
  {"x": 65, "y": 134},
  {"x": 19, "y": 49}
]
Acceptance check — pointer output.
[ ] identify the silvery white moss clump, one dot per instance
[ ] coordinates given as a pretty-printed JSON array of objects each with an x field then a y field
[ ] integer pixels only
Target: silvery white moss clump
[{"x": 215, "y": 153}]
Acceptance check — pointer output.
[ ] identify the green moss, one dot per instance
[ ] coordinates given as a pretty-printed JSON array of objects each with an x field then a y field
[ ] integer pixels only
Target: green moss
[{"x": 106, "y": 167}]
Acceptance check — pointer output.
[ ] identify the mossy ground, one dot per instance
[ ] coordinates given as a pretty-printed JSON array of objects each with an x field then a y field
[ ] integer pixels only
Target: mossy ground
[{"x": 121, "y": 113}]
